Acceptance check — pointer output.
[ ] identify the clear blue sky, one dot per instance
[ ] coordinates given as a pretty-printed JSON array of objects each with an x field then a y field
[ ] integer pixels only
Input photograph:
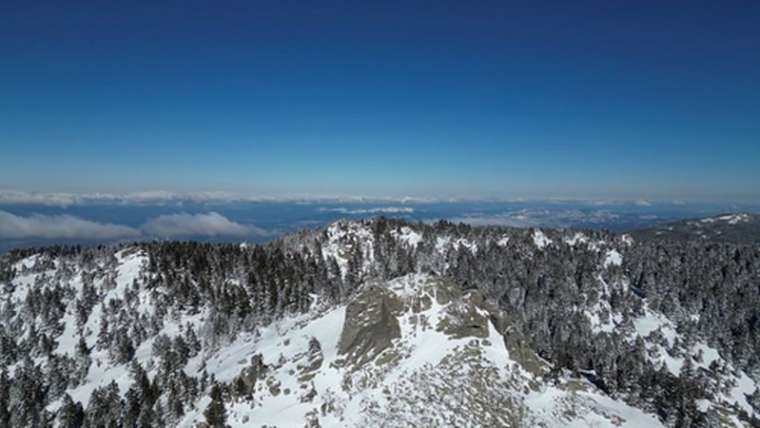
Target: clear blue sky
[{"x": 577, "y": 99}]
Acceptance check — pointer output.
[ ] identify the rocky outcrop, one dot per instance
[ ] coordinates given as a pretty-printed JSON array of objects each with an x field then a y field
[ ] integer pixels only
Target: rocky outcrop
[{"x": 371, "y": 324}]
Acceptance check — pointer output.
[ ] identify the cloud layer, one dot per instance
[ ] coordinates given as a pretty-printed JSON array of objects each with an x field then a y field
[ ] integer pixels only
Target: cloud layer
[
  {"x": 378, "y": 210},
  {"x": 60, "y": 227},
  {"x": 539, "y": 217},
  {"x": 210, "y": 225},
  {"x": 161, "y": 197},
  {"x": 37, "y": 226}
]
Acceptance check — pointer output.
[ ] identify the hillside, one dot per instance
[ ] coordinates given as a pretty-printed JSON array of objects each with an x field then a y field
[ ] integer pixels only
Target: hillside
[
  {"x": 740, "y": 228},
  {"x": 384, "y": 323}
]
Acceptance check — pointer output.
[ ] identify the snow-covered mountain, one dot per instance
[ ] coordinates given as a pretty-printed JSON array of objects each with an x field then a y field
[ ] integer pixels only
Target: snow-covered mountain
[
  {"x": 384, "y": 323},
  {"x": 741, "y": 228}
]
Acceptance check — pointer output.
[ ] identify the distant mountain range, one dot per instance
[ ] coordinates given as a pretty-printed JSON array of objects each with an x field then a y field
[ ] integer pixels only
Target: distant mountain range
[
  {"x": 103, "y": 221},
  {"x": 739, "y": 228}
]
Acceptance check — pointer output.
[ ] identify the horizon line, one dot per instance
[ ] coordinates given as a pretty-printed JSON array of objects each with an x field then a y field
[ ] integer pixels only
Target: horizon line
[{"x": 147, "y": 197}]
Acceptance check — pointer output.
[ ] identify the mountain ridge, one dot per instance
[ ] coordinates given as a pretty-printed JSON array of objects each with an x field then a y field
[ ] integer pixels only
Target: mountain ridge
[
  {"x": 565, "y": 323},
  {"x": 740, "y": 228}
]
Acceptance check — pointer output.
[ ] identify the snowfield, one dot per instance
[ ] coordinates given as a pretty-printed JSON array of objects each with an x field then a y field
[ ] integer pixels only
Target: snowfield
[{"x": 377, "y": 391}]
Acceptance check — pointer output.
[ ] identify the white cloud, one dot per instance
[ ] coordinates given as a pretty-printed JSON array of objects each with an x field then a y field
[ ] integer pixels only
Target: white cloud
[
  {"x": 491, "y": 220},
  {"x": 538, "y": 217},
  {"x": 9, "y": 197},
  {"x": 38, "y": 226},
  {"x": 161, "y": 197},
  {"x": 64, "y": 226},
  {"x": 211, "y": 224},
  {"x": 379, "y": 210}
]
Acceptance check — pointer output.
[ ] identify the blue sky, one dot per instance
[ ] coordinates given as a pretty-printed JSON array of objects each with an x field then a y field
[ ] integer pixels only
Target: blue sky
[{"x": 499, "y": 99}]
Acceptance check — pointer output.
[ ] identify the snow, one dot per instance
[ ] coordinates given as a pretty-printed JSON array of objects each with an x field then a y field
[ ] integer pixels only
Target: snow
[
  {"x": 729, "y": 218},
  {"x": 466, "y": 243},
  {"x": 646, "y": 325},
  {"x": 653, "y": 321},
  {"x": 745, "y": 386},
  {"x": 427, "y": 345},
  {"x": 102, "y": 371},
  {"x": 540, "y": 239},
  {"x": 597, "y": 326},
  {"x": 408, "y": 236},
  {"x": 578, "y": 238},
  {"x": 355, "y": 393},
  {"x": 589, "y": 407},
  {"x": 709, "y": 354},
  {"x": 734, "y": 218},
  {"x": 443, "y": 243},
  {"x": 597, "y": 245},
  {"x": 23, "y": 283},
  {"x": 613, "y": 258},
  {"x": 128, "y": 271},
  {"x": 26, "y": 263},
  {"x": 603, "y": 305},
  {"x": 101, "y": 374},
  {"x": 68, "y": 340},
  {"x": 288, "y": 338},
  {"x": 341, "y": 237},
  {"x": 26, "y": 279},
  {"x": 503, "y": 241}
]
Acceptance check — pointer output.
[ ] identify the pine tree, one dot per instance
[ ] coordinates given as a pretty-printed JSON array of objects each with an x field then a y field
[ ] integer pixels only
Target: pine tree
[
  {"x": 29, "y": 382},
  {"x": 123, "y": 349},
  {"x": 105, "y": 406},
  {"x": 104, "y": 334},
  {"x": 70, "y": 414},
  {"x": 215, "y": 413},
  {"x": 83, "y": 360},
  {"x": 5, "y": 386}
]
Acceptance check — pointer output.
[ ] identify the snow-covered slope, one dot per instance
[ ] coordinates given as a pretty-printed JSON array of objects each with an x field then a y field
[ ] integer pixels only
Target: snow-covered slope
[
  {"x": 414, "y": 351},
  {"x": 413, "y": 337}
]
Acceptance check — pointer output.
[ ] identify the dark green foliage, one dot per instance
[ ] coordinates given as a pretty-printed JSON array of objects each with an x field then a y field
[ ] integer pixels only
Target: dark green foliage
[
  {"x": 104, "y": 409},
  {"x": 70, "y": 414},
  {"x": 5, "y": 399},
  {"x": 215, "y": 413}
]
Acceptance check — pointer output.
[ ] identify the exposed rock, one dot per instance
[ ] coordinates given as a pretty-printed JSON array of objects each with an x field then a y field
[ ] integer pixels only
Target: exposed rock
[
  {"x": 313, "y": 361},
  {"x": 371, "y": 324},
  {"x": 466, "y": 318}
]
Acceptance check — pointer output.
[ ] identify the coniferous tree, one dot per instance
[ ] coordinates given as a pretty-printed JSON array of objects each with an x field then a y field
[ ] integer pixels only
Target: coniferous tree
[
  {"x": 5, "y": 399},
  {"x": 215, "y": 413},
  {"x": 70, "y": 414}
]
